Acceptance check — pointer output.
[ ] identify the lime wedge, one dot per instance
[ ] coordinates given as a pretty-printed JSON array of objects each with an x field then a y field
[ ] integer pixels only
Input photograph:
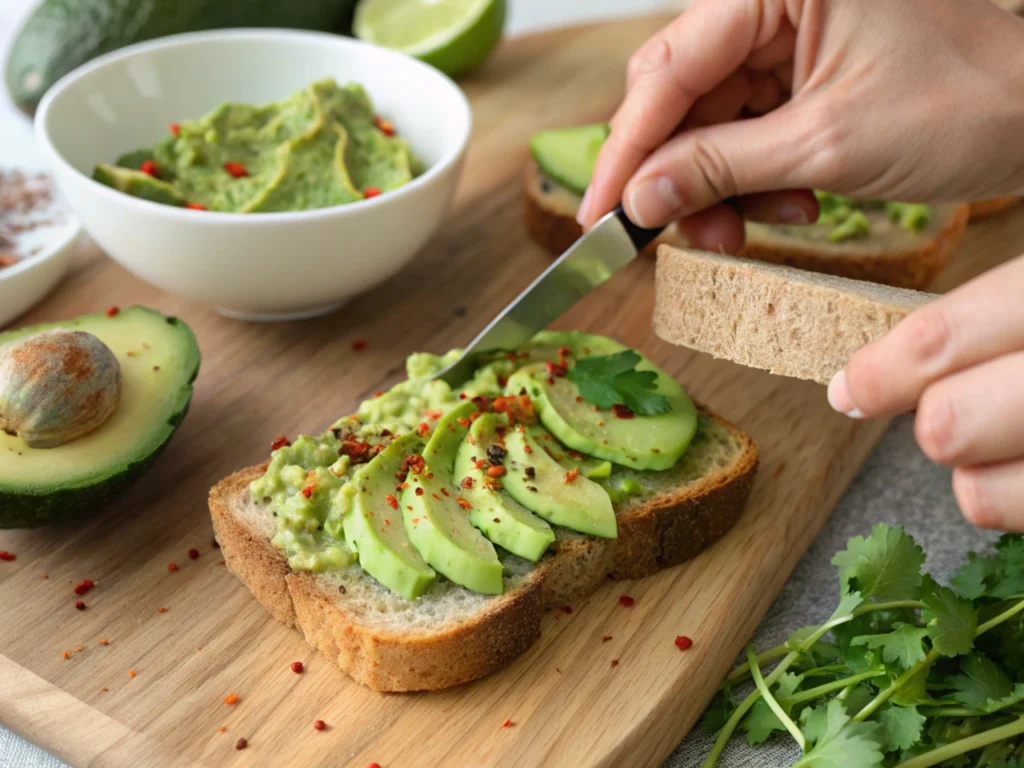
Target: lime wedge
[{"x": 452, "y": 35}]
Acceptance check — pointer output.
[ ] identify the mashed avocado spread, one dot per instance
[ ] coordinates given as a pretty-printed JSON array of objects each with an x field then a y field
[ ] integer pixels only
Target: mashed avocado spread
[
  {"x": 322, "y": 146},
  {"x": 426, "y": 479},
  {"x": 849, "y": 221}
]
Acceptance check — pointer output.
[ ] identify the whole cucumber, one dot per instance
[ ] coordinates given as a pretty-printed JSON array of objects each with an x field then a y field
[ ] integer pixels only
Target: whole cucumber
[{"x": 63, "y": 34}]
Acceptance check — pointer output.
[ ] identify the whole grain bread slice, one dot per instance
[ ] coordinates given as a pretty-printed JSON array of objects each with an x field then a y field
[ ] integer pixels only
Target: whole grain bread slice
[
  {"x": 982, "y": 209},
  {"x": 777, "y": 318},
  {"x": 452, "y": 635},
  {"x": 891, "y": 255}
]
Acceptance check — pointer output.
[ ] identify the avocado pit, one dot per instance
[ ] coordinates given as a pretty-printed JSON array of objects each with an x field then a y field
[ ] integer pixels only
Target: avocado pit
[{"x": 57, "y": 386}]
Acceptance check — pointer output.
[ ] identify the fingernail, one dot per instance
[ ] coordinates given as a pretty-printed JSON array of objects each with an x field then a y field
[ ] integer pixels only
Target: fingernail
[
  {"x": 839, "y": 397},
  {"x": 655, "y": 200},
  {"x": 789, "y": 213},
  {"x": 582, "y": 210}
]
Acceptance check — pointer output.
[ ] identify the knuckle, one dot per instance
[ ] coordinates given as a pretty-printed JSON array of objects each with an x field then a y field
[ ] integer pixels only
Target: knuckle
[
  {"x": 938, "y": 427},
  {"x": 655, "y": 56},
  {"x": 929, "y": 334},
  {"x": 974, "y": 501},
  {"x": 823, "y": 136},
  {"x": 714, "y": 169}
]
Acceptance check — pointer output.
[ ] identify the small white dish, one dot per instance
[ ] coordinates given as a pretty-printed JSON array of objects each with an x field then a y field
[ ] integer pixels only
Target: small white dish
[
  {"x": 266, "y": 266},
  {"x": 45, "y": 252}
]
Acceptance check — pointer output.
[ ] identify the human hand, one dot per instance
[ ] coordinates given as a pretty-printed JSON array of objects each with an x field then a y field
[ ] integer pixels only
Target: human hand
[
  {"x": 917, "y": 100},
  {"x": 960, "y": 362}
]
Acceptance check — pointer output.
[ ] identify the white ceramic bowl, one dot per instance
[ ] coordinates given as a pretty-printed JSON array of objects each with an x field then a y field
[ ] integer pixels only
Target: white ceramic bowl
[
  {"x": 267, "y": 266},
  {"x": 24, "y": 284}
]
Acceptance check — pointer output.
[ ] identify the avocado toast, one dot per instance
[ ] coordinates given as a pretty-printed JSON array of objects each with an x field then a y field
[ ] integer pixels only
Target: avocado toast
[
  {"x": 389, "y": 540},
  {"x": 892, "y": 243}
]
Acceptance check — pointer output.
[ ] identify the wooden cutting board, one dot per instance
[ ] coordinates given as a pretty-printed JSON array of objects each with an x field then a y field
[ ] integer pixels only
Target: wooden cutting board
[{"x": 570, "y": 706}]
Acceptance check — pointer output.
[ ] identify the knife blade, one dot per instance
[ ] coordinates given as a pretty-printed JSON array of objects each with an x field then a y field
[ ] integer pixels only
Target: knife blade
[{"x": 609, "y": 246}]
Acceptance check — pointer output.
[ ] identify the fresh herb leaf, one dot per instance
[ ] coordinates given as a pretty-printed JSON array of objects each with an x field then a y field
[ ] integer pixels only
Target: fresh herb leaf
[
  {"x": 903, "y": 646},
  {"x": 814, "y": 723},
  {"x": 844, "y": 744},
  {"x": 1014, "y": 697},
  {"x": 902, "y": 726},
  {"x": 607, "y": 380},
  {"x": 999, "y": 576},
  {"x": 719, "y": 710},
  {"x": 953, "y": 623},
  {"x": 971, "y": 581},
  {"x": 980, "y": 681},
  {"x": 884, "y": 566},
  {"x": 760, "y": 723}
]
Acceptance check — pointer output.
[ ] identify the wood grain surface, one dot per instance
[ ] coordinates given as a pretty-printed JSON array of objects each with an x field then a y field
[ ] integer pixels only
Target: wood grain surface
[{"x": 570, "y": 706}]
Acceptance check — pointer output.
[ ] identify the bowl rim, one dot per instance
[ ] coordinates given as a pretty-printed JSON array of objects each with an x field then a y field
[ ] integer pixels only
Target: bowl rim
[
  {"x": 71, "y": 229},
  {"x": 58, "y": 162}
]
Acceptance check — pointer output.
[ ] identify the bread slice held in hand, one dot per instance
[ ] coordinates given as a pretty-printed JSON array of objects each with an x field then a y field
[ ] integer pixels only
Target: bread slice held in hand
[
  {"x": 783, "y": 320},
  {"x": 982, "y": 209},
  {"x": 451, "y": 635},
  {"x": 890, "y": 254}
]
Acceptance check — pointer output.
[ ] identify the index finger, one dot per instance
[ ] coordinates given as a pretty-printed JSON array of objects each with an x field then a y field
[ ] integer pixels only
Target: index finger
[{"x": 681, "y": 63}]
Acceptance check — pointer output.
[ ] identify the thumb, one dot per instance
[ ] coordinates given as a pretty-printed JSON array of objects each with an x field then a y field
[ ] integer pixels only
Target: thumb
[{"x": 783, "y": 149}]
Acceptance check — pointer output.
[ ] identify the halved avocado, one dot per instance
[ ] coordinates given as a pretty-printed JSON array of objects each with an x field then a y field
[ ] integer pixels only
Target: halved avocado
[
  {"x": 137, "y": 184},
  {"x": 159, "y": 360}
]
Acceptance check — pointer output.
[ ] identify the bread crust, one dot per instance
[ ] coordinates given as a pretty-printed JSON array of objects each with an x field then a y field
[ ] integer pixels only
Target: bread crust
[
  {"x": 657, "y": 532},
  {"x": 550, "y": 221},
  {"x": 982, "y": 209}
]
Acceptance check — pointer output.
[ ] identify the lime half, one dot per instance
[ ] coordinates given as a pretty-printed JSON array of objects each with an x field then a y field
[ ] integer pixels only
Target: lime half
[{"x": 452, "y": 35}]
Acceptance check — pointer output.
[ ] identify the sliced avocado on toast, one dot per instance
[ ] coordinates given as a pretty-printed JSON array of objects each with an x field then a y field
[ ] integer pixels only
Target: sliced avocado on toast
[{"x": 159, "y": 360}]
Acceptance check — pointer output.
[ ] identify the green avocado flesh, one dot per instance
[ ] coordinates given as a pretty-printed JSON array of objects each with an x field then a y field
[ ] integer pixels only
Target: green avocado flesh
[
  {"x": 322, "y": 146},
  {"x": 567, "y": 157},
  {"x": 159, "y": 360},
  {"x": 501, "y": 518},
  {"x": 426, "y": 480}
]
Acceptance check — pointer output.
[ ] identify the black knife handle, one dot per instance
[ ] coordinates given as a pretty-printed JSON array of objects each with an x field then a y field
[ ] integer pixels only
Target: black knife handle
[{"x": 641, "y": 237}]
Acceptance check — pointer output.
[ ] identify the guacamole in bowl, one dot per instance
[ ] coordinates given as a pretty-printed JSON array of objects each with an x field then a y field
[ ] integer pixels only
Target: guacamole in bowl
[{"x": 323, "y": 146}]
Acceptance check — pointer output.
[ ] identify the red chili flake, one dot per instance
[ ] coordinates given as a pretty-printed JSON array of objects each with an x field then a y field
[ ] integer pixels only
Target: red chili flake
[
  {"x": 84, "y": 586},
  {"x": 222, "y": 729},
  {"x": 175, "y": 128},
  {"x": 615, "y": 662},
  {"x": 236, "y": 169},
  {"x": 464, "y": 423},
  {"x": 419, "y": 491},
  {"x": 354, "y": 449},
  {"x": 466, "y": 483},
  {"x": 195, "y": 206},
  {"x": 231, "y": 698},
  {"x": 498, "y": 471},
  {"x": 307, "y": 491},
  {"x": 626, "y": 600},
  {"x": 378, "y": 393},
  {"x": 684, "y": 643},
  {"x": 161, "y": 610},
  {"x": 241, "y": 744},
  {"x": 297, "y": 667},
  {"x": 319, "y": 724},
  {"x": 104, "y": 690},
  {"x": 385, "y": 126},
  {"x": 112, "y": 311},
  {"x": 280, "y": 442},
  {"x": 564, "y": 351},
  {"x": 172, "y": 567},
  {"x": 193, "y": 554},
  {"x": 480, "y": 463},
  {"x": 80, "y": 605},
  {"x": 392, "y": 501},
  {"x": 507, "y": 724},
  {"x": 555, "y": 369},
  {"x": 104, "y": 641},
  {"x": 423, "y": 428},
  {"x": 373, "y": 765},
  {"x": 371, "y": 192},
  {"x": 66, "y": 655},
  {"x": 623, "y": 411},
  {"x": 45, "y": 576},
  {"x": 527, "y": 449},
  {"x": 413, "y": 463},
  {"x": 359, "y": 345},
  {"x": 433, "y": 413},
  {"x": 571, "y": 475},
  {"x": 131, "y": 673},
  {"x": 606, "y": 638},
  {"x": 148, "y": 167},
  {"x": 463, "y": 503},
  {"x": 566, "y": 609}
]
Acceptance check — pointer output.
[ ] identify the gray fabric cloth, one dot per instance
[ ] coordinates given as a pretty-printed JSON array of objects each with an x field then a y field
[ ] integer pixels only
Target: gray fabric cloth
[{"x": 898, "y": 485}]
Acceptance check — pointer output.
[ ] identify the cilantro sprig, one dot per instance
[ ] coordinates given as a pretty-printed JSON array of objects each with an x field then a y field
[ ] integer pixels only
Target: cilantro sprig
[
  {"x": 906, "y": 672},
  {"x": 609, "y": 380}
]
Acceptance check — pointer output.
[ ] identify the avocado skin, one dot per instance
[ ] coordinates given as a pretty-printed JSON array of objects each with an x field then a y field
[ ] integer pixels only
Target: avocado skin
[
  {"x": 65, "y": 505},
  {"x": 64, "y": 34}
]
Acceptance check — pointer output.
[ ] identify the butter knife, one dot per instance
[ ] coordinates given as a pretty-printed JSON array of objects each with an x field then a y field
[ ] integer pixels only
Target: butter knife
[{"x": 609, "y": 246}]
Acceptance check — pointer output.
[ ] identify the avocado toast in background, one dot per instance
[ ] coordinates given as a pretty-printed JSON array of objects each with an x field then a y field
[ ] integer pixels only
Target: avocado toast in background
[
  {"x": 893, "y": 243},
  {"x": 388, "y": 539}
]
